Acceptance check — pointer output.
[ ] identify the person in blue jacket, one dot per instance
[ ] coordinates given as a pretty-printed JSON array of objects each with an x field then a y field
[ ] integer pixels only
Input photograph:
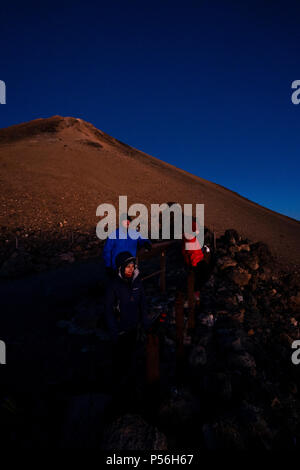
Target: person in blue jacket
[{"x": 115, "y": 244}]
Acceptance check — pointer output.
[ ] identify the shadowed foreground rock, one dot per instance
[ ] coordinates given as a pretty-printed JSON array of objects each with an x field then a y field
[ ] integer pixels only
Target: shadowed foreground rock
[
  {"x": 238, "y": 386},
  {"x": 84, "y": 421},
  {"x": 131, "y": 432}
]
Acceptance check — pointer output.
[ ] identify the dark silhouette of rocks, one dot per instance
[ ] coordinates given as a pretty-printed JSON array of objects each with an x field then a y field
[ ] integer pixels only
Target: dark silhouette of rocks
[{"x": 238, "y": 386}]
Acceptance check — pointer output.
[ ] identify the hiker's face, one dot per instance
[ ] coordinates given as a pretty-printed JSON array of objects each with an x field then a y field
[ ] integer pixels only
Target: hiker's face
[
  {"x": 129, "y": 270},
  {"x": 125, "y": 223}
]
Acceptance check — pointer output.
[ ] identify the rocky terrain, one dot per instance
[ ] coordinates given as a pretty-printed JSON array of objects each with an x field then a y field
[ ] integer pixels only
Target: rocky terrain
[
  {"x": 55, "y": 172},
  {"x": 236, "y": 385},
  {"x": 23, "y": 253},
  {"x": 239, "y": 388}
]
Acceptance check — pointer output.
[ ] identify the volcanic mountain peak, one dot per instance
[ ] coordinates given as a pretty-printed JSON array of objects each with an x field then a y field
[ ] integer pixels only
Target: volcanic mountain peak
[
  {"x": 45, "y": 126},
  {"x": 61, "y": 168}
]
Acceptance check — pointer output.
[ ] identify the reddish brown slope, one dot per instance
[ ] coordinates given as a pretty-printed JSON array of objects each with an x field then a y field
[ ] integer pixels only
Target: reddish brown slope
[{"x": 60, "y": 169}]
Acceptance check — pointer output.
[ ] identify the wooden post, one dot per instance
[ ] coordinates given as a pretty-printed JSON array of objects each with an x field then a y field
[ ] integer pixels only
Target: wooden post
[
  {"x": 191, "y": 299},
  {"x": 152, "y": 359},
  {"x": 179, "y": 317},
  {"x": 162, "y": 281}
]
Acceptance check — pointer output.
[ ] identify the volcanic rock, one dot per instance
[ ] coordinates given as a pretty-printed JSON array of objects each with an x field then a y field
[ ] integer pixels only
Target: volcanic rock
[{"x": 131, "y": 432}]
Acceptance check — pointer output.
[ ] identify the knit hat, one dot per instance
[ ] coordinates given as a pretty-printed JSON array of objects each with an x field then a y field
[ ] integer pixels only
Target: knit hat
[{"x": 123, "y": 259}]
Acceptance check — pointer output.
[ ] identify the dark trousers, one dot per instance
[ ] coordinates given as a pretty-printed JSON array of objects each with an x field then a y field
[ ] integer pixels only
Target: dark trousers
[
  {"x": 125, "y": 362},
  {"x": 202, "y": 274}
]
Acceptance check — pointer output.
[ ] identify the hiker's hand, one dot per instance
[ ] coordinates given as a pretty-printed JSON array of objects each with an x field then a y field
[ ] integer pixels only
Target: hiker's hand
[
  {"x": 149, "y": 330},
  {"x": 141, "y": 334},
  {"x": 148, "y": 246}
]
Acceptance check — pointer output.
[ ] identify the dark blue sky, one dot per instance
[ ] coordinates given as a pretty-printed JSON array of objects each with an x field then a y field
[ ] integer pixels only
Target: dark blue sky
[{"x": 204, "y": 85}]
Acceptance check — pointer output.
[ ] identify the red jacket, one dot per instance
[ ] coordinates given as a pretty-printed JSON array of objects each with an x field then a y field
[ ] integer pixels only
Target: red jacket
[{"x": 194, "y": 256}]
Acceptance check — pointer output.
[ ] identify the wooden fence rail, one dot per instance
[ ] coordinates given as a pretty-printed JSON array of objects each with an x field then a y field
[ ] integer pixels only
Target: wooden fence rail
[{"x": 152, "y": 347}]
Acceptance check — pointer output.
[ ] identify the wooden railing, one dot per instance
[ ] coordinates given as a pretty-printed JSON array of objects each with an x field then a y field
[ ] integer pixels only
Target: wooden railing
[
  {"x": 160, "y": 249},
  {"x": 152, "y": 346}
]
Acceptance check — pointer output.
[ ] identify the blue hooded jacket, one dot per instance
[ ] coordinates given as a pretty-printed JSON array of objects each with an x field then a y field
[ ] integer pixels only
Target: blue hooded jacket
[{"x": 115, "y": 245}]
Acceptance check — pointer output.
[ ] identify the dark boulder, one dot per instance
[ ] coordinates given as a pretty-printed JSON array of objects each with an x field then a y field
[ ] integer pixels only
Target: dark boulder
[{"x": 132, "y": 432}]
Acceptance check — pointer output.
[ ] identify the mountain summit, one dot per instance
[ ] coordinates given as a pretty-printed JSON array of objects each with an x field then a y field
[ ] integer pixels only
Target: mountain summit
[{"x": 58, "y": 170}]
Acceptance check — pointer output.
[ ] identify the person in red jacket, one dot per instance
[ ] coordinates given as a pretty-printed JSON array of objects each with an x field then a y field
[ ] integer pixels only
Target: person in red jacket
[{"x": 194, "y": 259}]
